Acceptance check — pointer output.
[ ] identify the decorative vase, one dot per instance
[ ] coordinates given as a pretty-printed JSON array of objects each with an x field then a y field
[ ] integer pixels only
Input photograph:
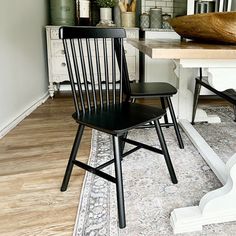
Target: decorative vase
[
  {"x": 144, "y": 21},
  {"x": 128, "y": 19},
  {"x": 105, "y": 14},
  {"x": 105, "y": 17},
  {"x": 62, "y": 12},
  {"x": 156, "y": 17},
  {"x": 95, "y": 13},
  {"x": 117, "y": 15}
]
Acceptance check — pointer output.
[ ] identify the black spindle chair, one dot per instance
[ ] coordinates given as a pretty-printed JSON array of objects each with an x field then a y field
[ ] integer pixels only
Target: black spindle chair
[
  {"x": 163, "y": 91},
  {"x": 91, "y": 55}
]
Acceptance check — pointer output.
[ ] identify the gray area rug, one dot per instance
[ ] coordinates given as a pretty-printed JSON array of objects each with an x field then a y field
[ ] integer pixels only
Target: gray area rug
[{"x": 149, "y": 194}]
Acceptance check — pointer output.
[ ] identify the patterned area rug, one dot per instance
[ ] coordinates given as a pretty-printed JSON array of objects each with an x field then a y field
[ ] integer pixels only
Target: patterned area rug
[{"x": 149, "y": 194}]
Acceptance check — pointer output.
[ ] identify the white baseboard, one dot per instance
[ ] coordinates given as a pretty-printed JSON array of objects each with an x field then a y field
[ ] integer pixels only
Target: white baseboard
[{"x": 22, "y": 116}]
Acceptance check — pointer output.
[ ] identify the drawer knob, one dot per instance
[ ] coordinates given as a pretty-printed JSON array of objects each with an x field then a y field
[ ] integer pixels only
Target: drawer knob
[
  {"x": 63, "y": 64},
  {"x": 63, "y": 52}
]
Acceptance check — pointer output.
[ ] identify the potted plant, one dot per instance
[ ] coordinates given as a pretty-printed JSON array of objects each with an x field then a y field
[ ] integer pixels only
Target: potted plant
[{"x": 106, "y": 11}]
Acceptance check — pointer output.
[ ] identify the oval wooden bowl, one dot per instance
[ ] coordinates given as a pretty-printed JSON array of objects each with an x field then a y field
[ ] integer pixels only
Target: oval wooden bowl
[{"x": 213, "y": 27}]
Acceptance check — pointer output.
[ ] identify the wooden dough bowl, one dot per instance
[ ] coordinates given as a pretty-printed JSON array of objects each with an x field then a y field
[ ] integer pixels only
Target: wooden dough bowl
[{"x": 218, "y": 27}]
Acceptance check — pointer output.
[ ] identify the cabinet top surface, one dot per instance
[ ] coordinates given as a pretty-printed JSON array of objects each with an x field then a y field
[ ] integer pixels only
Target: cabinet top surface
[
  {"x": 58, "y": 26},
  {"x": 176, "y": 49}
]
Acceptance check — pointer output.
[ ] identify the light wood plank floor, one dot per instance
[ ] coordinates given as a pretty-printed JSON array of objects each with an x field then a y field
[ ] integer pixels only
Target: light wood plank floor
[{"x": 33, "y": 157}]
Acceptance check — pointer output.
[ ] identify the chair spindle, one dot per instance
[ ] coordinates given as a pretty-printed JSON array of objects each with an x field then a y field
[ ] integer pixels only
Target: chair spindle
[
  {"x": 106, "y": 71},
  {"x": 82, "y": 61}
]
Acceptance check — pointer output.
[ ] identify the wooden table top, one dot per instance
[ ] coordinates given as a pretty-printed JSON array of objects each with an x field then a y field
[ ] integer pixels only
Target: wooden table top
[{"x": 176, "y": 49}]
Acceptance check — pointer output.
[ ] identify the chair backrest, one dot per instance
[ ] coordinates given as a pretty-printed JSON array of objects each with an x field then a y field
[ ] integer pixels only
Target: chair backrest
[
  {"x": 225, "y": 5},
  {"x": 96, "y": 62},
  {"x": 199, "y": 6}
]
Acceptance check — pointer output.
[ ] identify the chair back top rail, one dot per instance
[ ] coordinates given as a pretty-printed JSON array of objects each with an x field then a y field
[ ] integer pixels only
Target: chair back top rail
[{"x": 70, "y": 32}]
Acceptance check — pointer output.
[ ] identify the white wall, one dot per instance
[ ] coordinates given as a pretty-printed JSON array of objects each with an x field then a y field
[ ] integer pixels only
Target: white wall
[
  {"x": 233, "y": 5},
  {"x": 23, "y": 73}
]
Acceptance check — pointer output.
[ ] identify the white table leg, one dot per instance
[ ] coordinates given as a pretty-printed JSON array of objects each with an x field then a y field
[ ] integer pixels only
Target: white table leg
[
  {"x": 184, "y": 105},
  {"x": 216, "y": 206}
]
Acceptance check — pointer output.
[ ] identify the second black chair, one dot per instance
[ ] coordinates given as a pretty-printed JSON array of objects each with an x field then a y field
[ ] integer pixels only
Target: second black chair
[
  {"x": 229, "y": 94},
  {"x": 161, "y": 90}
]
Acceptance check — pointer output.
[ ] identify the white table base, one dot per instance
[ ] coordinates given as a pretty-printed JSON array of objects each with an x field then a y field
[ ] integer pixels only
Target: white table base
[
  {"x": 219, "y": 205},
  {"x": 221, "y": 74},
  {"x": 216, "y": 206}
]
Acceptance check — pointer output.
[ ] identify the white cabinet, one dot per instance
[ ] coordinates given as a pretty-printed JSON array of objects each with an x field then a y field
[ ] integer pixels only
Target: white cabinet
[{"x": 57, "y": 68}]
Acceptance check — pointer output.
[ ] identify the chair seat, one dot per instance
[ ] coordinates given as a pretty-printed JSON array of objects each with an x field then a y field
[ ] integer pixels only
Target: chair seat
[
  {"x": 231, "y": 93},
  {"x": 159, "y": 89},
  {"x": 120, "y": 118}
]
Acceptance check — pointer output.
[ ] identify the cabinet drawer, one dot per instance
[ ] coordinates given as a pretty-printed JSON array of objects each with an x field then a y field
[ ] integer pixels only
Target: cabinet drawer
[
  {"x": 129, "y": 50},
  {"x": 57, "y": 48},
  {"x": 59, "y": 65},
  {"x": 131, "y": 62}
]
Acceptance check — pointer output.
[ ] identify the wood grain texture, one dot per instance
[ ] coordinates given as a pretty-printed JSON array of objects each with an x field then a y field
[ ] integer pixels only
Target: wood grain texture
[
  {"x": 207, "y": 27},
  {"x": 176, "y": 49},
  {"x": 33, "y": 158}
]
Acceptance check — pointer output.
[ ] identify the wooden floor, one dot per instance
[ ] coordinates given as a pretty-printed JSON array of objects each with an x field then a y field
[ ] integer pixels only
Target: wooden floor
[{"x": 33, "y": 157}]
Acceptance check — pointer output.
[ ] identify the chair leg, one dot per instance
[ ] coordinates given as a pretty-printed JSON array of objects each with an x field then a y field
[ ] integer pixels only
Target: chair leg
[
  {"x": 73, "y": 154},
  {"x": 176, "y": 127},
  {"x": 119, "y": 182},
  {"x": 195, "y": 99},
  {"x": 164, "y": 108},
  {"x": 122, "y": 143},
  {"x": 165, "y": 152}
]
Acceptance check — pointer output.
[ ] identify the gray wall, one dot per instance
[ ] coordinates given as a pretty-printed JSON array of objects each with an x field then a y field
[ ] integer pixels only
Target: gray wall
[
  {"x": 23, "y": 71},
  {"x": 233, "y": 5}
]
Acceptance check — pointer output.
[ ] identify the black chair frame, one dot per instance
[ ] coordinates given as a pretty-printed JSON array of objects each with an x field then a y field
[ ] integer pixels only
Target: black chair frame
[
  {"x": 165, "y": 97},
  {"x": 164, "y": 100},
  {"x": 229, "y": 94},
  {"x": 91, "y": 109}
]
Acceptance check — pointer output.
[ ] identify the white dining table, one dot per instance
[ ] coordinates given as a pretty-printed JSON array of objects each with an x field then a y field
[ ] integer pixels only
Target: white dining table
[{"x": 220, "y": 60}]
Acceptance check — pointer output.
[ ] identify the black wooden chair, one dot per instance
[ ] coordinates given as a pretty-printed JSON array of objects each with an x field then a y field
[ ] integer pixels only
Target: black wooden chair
[
  {"x": 229, "y": 94},
  {"x": 91, "y": 55},
  {"x": 161, "y": 90}
]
